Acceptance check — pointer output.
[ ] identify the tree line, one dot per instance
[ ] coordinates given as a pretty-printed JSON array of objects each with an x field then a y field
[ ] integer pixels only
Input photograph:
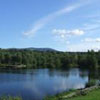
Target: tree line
[{"x": 49, "y": 59}]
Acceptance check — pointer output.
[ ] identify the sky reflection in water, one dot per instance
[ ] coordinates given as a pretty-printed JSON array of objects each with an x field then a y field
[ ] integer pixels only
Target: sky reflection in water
[{"x": 38, "y": 83}]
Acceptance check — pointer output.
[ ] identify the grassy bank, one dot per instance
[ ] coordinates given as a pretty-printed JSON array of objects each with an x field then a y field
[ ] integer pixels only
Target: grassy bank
[
  {"x": 93, "y": 95},
  {"x": 10, "y": 98},
  {"x": 85, "y": 94}
]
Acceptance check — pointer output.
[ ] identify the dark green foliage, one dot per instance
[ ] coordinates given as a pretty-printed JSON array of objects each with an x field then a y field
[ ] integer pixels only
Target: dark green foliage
[
  {"x": 91, "y": 83},
  {"x": 10, "y": 98},
  {"x": 49, "y": 59}
]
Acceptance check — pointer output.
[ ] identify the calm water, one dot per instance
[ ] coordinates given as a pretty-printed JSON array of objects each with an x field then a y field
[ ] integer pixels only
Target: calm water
[{"x": 35, "y": 84}]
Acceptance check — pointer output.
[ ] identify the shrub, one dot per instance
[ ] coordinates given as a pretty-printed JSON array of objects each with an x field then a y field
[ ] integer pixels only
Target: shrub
[{"x": 91, "y": 83}]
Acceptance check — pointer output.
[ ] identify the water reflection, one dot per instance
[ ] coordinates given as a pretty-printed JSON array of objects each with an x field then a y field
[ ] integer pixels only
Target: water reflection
[{"x": 34, "y": 84}]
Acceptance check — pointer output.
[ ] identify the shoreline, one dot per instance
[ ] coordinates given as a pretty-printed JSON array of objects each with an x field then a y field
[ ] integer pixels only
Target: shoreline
[{"x": 73, "y": 93}]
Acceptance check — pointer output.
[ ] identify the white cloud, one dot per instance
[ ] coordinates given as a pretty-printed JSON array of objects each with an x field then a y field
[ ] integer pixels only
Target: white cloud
[
  {"x": 91, "y": 26},
  {"x": 76, "y": 32},
  {"x": 43, "y": 21},
  {"x": 91, "y": 40},
  {"x": 97, "y": 39},
  {"x": 59, "y": 32},
  {"x": 63, "y": 33},
  {"x": 87, "y": 40},
  {"x": 85, "y": 46}
]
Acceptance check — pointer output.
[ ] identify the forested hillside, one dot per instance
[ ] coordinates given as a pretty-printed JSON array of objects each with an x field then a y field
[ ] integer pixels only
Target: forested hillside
[{"x": 49, "y": 59}]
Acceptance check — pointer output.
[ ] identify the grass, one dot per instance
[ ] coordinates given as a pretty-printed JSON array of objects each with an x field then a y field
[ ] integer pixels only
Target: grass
[
  {"x": 92, "y": 95},
  {"x": 9, "y": 98},
  {"x": 58, "y": 96}
]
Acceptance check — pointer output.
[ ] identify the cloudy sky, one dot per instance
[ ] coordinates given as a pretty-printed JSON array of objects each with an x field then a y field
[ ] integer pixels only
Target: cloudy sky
[{"x": 67, "y": 25}]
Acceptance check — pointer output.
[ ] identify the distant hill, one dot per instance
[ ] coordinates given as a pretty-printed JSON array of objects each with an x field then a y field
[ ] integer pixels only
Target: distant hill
[
  {"x": 41, "y": 49},
  {"x": 34, "y": 49}
]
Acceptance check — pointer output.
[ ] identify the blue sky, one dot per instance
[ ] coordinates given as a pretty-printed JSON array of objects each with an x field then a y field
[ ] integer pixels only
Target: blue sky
[{"x": 67, "y": 25}]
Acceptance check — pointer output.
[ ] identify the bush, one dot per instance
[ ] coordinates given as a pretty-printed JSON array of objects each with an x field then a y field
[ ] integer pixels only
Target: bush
[{"x": 91, "y": 83}]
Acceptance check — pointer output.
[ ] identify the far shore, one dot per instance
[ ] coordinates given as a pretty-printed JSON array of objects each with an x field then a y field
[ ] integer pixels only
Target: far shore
[{"x": 12, "y": 66}]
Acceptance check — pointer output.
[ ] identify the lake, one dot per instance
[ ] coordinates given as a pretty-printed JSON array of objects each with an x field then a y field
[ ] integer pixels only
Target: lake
[{"x": 35, "y": 84}]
